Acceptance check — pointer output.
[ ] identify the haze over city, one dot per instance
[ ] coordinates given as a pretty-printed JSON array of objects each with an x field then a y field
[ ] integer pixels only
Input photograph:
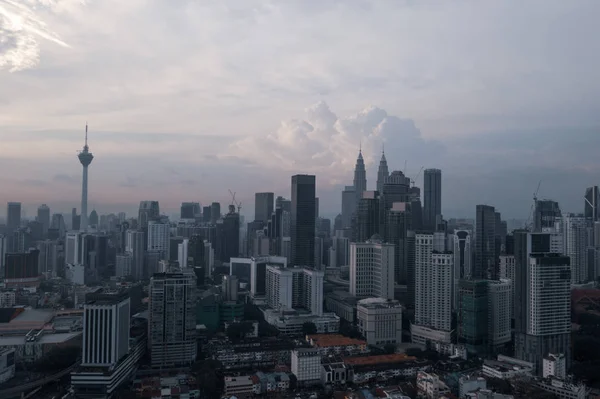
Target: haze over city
[{"x": 186, "y": 99}]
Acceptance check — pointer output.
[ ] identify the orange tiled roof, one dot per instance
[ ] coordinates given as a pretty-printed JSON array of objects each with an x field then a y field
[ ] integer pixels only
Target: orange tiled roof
[
  {"x": 369, "y": 360},
  {"x": 327, "y": 340}
]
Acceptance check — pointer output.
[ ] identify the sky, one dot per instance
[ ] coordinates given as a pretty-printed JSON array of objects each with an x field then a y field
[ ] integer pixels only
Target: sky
[{"x": 187, "y": 99}]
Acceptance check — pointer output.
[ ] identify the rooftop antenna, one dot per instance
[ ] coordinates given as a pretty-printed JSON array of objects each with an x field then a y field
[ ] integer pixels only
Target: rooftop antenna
[{"x": 86, "y": 134}]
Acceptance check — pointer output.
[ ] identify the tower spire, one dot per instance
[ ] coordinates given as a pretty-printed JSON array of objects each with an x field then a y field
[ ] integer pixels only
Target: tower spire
[{"x": 86, "y": 128}]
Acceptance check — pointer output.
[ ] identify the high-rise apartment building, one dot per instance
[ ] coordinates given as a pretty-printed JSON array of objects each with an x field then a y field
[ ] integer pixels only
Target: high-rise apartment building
[
  {"x": 433, "y": 296},
  {"x": 499, "y": 314},
  {"x": 105, "y": 329},
  {"x": 295, "y": 287},
  {"x": 432, "y": 198},
  {"x": 398, "y": 223},
  {"x": 485, "y": 243},
  {"x": 215, "y": 212},
  {"x": 372, "y": 269},
  {"x": 541, "y": 297},
  {"x": 123, "y": 265},
  {"x": 172, "y": 319},
  {"x": 158, "y": 238},
  {"x": 263, "y": 206},
  {"x": 303, "y": 220}
]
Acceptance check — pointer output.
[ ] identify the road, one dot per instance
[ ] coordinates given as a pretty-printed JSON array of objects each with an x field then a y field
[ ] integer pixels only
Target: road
[{"x": 18, "y": 390}]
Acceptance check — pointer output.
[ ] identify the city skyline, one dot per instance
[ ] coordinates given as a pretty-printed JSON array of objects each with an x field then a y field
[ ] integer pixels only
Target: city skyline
[{"x": 489, "y": 113}]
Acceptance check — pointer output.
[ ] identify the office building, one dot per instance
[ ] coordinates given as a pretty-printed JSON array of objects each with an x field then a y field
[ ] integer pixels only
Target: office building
[
  {"x": 134, "y": 246},
  {"x": 546, "y": 215},
  {"x": 360, "y": 177},
  {"x": 555, "y": 365},
  {"x": 22, "y": 269},
  {"x": 253, "y": 271},
  {"x": 43, "y": 216},
  {"x": 295, "y": 288},
  {"x": 367, "y": 221},
  {"x": 229, "y": 288},
  {"x": 229, "y": 238},
  {"x": 172, "y": 320},
  {"x": 380, "y": 320},
  {"x": 485, "y": 243},
  {"x": 48, "y": 257},
  {"x": 462, "y": 261},
  {"x": 473, "y": 316},
  {"x": 263, "y": 206},
  {"x": 148, "y": 211},
  {"x": 182, "y": 253},
  {"x": 303, "y": 220},
  {"x": 13, "y": 217},
  {"x": 215, "y": 212},
  {"x": 499, "y": 314},
  {"x": 433, "y": 290},
  {"x": 158, "y": 238},
  {"x": 349, "y": 205},
  {"x": 382, "y": 172},
  {"x": 105, "y": 329},
  {"x": 190, "y": 211},
  {"x": 592, "y": 204},
  {"x": 124, "y": 263},
  {"x": 432, "y": 198},
  {"x": 575, "y": 238},
  {"x": 372, "y": 269},
  {"x": 395, "y": 189},
  {"x": 339, "y": 253}
]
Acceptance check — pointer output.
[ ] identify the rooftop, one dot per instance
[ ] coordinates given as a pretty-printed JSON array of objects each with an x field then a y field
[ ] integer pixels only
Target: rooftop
[
  {"x": 328, "y": 340},
  {"x": 379, "y": 303},
  {"x": 378, "y": 359},
  {"x": 44, "y": 339}
]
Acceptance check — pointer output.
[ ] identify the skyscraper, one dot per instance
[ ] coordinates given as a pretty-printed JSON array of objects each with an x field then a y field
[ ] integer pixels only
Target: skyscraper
[
  {"x": 372, "y": 269},
  {"x": 382, "y": 172},
  {"x": 367, "y": 220},
  {"x": 592, "y": 204},
  {"x": 134, "y": 246},
  {"x": 158, "y": 238},
  {"x": 398, "y": 223},
  {"x": 360, "y": 176},
  {"x": 43, "y": 216},
  {"x": 303, "y": 220},
  {"x": 263, "y": 206},
  {"x": 215, "y": 212},
  {"x": 547, "y": 214},
  {"x": 85, "y": 157},
  {"x": 432, "y": 200},
  {"x": 348, "y": 206},
  {"x": 433, "y": 292},
  {"x": 190, "y": 210},
  {"x": 172, "y": 319},
  {"x": 229, "y": 240},
  {"x": 149, "y": 210},
  {"x": 295, "y": 287},
  {"x": 485, "y": 242},
  {"x": 462, "y": 261},
  {"x": 13, "y": 217},
  {"x": 575, "y": 238}
]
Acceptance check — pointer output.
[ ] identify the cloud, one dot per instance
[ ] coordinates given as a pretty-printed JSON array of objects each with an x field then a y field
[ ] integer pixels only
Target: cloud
[
  {"x": 21, "y": 28},
  {"x": 68, "y": 179},
  {"x": 327, "y": 145}
]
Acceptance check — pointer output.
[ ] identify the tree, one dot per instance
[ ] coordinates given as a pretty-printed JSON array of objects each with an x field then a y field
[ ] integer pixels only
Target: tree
[
  {"x": 309, "y": 328},
  {"x": 237, "y": 331},
  {"x": 389, "y": 348}
]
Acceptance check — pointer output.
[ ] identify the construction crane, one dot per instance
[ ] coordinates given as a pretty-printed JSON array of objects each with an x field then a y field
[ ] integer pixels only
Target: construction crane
[
  {"x": 234, "y": 202},
  {"x": 416, "y": 177}
]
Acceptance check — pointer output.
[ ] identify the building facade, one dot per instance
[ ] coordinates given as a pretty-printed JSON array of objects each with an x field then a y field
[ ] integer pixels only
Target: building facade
[
  {"x": 372, "y": 269},
  {"x": 380, "y": 320}
]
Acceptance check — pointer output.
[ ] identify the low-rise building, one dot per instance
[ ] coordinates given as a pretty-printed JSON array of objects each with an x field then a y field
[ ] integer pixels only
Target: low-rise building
[
  {"x": 431, "y": 386},
  {"x": 380, "y": 320},
  {"x": 241, "y": 387},
  {"x": 555, "y": 365},
  {"x": 7, "y": 299},
  {"x": 383, "y": 367},
  {"x": 563, "y": 389},
  {"x": 487, "y": 394},
  {"x": 306, "y": 365},
  {"x": 468, "y": 384},
  {"x": 336, "y": 344},
  {"x": 506, "y": 368},
  {"x": 268, "y": 383},
  {"x": 251, "y": 353},
  {"x": 290, "y": 322},
  {"x": 7, "y": 364},
  {"x": 335, "y": 371}
]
